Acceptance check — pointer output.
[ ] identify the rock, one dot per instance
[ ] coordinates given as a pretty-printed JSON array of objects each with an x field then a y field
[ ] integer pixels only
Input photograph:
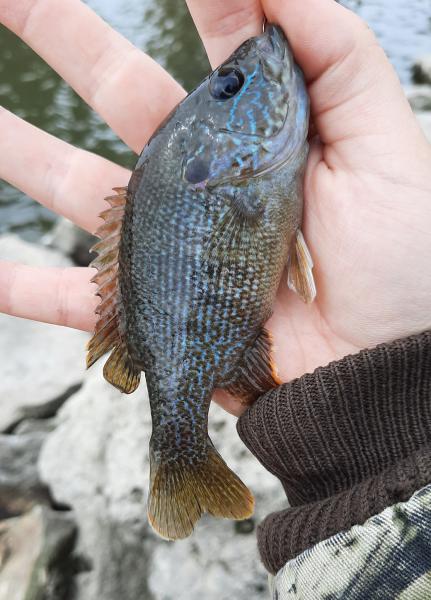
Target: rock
[
  {"x": 36, "y": 561},
  {"x": 71, "y": 241},
  {"x": 20, "y": 486},
  {"x": 41, "y": 364},
  {"x": 41, "y": 425},
  {"x": 96, "y": 461},
  {"x": 421, "y": 70},
  {"x": 419, "y": 97},
  {"x": 425, "y": 122}
]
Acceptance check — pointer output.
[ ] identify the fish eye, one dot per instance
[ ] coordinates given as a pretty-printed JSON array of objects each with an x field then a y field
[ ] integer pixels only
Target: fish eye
[{"x": 226, "y": 82}]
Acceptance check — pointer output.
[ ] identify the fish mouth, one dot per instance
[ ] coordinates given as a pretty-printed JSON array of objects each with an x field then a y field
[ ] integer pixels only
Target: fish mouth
[{"x": 272, "y": 43}]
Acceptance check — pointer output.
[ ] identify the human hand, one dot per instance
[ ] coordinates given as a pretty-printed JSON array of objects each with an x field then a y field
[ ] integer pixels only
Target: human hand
[{"x": 367, "y": 188}]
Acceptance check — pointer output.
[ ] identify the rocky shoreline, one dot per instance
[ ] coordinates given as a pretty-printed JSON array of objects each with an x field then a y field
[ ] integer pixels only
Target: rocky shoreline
[{"x": 74, "y": 466}]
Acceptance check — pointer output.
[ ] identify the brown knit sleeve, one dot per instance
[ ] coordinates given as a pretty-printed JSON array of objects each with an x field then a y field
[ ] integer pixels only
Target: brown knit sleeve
[{"x": 346, "y": 441}]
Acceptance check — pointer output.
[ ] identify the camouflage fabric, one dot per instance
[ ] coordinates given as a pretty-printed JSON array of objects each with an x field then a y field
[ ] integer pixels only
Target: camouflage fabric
[{"x": 387, "y": 558}]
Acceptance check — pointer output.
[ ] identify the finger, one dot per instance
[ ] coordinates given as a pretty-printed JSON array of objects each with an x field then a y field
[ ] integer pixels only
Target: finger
[
  {"x": 223, "y": 26},
  {"x": 69, "y": 181},
  {"x": 353, "y": 88},
  {"x": 321, "y": 32},
  {"x": 59, "y": 296},
  {"x": 127, "y": 88}
]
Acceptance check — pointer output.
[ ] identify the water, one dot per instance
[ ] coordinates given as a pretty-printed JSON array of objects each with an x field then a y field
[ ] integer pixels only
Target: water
[
  {"x": 402, "y": 27},
  {"x": 164, "y": 29}
]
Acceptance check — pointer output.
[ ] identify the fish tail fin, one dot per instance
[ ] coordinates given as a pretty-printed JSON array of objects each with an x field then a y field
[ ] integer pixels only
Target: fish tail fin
[{"x": 181, "y": 493}]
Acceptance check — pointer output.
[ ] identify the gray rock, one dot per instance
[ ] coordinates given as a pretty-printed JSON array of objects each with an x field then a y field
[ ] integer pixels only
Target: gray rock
[
  {"x": 71, "y": 241},
  {"x": 36, "y": 561},
  {"x": 425, "y": 122},
  {"x": 42, "y": 425},
  {"x": 20, "y": 486},
  {"x": 419, "y": 97},
  {"x": 421, "y": 70},
  {"x": 96, "y": 461},
  {"x": 41, "y": 364}
]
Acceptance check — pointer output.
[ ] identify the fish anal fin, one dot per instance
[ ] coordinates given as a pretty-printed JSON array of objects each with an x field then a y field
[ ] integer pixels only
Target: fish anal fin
[
  {"x": 119, "y": 369},
  {"x": 181, "y": 492},
  {"x": 256, "y": 373},
  {"x": 300, "y": 270}
]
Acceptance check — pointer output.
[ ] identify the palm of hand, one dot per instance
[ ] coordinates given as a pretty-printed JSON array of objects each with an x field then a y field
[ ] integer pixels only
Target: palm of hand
[
  {"x": 364, "y": 295},
  {"x": 367, "y": 217},
  {"x": 367, "y": 188}
]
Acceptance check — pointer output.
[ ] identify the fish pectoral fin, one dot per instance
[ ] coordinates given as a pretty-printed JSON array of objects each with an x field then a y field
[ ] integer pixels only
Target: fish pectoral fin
[
  {"x": 300, "y": 270},
  {"x": 181, "y": 492},
  {"x": 235, "y": 231},
  {"x": 120, "y": 371},
  {"x": 256, "y": 373}
]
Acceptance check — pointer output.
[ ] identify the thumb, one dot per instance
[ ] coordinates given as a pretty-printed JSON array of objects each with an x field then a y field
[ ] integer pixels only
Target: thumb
[{"x": 358, "y": 105}]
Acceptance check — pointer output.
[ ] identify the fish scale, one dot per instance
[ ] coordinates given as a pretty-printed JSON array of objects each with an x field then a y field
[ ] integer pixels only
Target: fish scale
[{"x": 212, "y": 218}]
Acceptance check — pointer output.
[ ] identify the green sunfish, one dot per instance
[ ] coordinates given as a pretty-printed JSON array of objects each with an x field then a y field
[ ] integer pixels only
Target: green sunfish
[{"x": 190, "y": 258}]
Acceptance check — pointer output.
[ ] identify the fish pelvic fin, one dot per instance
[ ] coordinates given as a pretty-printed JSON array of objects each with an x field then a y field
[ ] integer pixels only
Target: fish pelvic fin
[
  {"x": 256, "y": 373},
  {"x": 119, "y": 369},
  {"x": 181, "y": 493},
  {"x": 300, "y": 270}
]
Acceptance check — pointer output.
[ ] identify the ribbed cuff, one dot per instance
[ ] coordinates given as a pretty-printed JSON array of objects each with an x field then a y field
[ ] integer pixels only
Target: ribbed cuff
[{"x": 344, "y": 441}]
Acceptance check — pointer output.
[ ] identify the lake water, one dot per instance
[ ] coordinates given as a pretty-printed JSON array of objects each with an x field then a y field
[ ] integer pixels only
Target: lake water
[{"x": 162, "y": 28}]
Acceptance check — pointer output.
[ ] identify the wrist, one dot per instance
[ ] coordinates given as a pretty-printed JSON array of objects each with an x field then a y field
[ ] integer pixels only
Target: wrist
[{"x": 345, "y": 441}]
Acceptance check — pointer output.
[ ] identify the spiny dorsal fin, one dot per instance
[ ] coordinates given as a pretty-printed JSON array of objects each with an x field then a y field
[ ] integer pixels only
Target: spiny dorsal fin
[
  {"x": 300, "y": 272},
  {"x": 256, "y": 373},
  {"x": 119, "y": 369}
]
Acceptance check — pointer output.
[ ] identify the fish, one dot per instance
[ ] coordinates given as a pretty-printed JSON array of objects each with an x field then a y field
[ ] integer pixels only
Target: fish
[{"x": 190, "y": 257}]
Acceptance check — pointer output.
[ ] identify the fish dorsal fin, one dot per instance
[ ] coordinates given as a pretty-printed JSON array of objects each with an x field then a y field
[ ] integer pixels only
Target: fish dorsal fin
[
  {"x": 300, "y": 270},
  {"x": 256, "y": 373},
  {"x": 119, "y": 369}
]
